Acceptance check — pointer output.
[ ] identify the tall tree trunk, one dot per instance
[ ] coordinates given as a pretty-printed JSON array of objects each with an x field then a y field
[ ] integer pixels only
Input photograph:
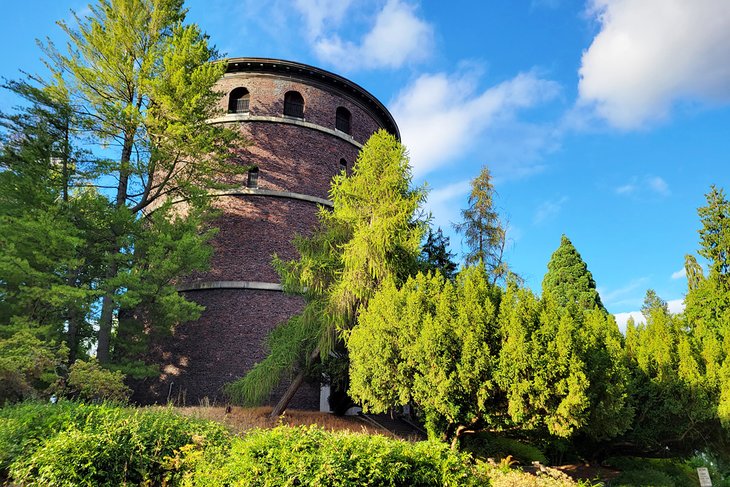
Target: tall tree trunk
[
  {"x": 107, "y": 303},
  {"x": 292, "y": 389},
  {"x": 105, "y": 322}
]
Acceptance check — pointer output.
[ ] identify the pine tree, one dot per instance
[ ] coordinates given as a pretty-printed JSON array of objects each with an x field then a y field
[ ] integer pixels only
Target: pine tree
[
  {"x": 434, "y": 344},
  {"x": 483, "y": 230},
  {"x": 708, "y": 298},
  {"x": 371, "y": 236},
  {"x": 436, "y": 256},
  {"x": 568, "y": 279},
  {"x": 674, "y": 407},
  {"x": 142, "y": 85}
]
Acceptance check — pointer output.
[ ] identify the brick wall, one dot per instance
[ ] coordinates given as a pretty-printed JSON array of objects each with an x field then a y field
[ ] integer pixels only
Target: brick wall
[{"x": 230, "y": 336}]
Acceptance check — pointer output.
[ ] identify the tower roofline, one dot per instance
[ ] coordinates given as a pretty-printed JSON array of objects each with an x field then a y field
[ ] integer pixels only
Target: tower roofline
[{"x": 306, "y": 72}]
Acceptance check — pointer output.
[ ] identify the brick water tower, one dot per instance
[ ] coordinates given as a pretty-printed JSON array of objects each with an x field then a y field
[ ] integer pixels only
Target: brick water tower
[{"x": 305, "y": 125}]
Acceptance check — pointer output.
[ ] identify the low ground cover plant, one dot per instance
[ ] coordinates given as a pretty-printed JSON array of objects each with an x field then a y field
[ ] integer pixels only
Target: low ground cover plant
[{"x": 73, "y": 443}]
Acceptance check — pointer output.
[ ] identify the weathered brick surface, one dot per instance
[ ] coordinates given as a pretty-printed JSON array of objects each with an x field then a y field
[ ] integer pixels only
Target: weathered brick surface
[
  {"x": 202, "y": 356},
  {"x": 251, "y": 230},
  {"x": 230, "y": 336},
  {"x": 320, "y": 105}
]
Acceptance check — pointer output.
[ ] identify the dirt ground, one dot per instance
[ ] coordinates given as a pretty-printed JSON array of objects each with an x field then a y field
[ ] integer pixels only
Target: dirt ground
[{"x": 241, "y": 419}]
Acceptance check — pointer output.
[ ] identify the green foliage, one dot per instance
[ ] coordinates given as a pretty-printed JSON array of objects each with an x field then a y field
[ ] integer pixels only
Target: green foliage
[
  {"x": 76, "y": 444},
  {"x": 499, "y": 476},
  {"x": 433, "y": 343},
  {"x": 371, "y": 236},
  {"x": 487, "y": 445},
  {"x": 28, "y": 366},
  {"x": 45, "y": 230},
  {"x": 89, "y": 382},
  {"x": 24, "y": 427},
  {"x": 435, "y": 255},
  {"x": 674, "y": 405},
  {"x": 708, "y": 299},
  {"x": 285, "y": 343},
  {"x": 568, "y": 279},
  {"x": 562, "y": 368},
  {"x": 142, "y": 81},
  {"x": 483, "y": 230},
  {"x": 309, "y": 456},
  {"x": 654, "y": 472}
]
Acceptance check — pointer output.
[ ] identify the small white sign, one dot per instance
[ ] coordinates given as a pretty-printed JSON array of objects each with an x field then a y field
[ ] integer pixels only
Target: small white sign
[{"x": 704, "y": 476}]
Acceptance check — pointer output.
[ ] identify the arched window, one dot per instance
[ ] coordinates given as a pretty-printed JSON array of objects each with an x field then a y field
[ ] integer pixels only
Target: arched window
[
  {"x": 342, "y": 120},
  {"x": 238, "y": 101},
  {"x": 294, "y": 104},
  {"x": 343, "y": 165},
  {"x": 253, "y": 178}
]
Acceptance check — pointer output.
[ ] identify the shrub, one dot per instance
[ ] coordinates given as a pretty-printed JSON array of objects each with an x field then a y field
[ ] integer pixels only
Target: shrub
[
  {"x": 28, "y": 366},
  {"x": 24, "y": 427},
  {"x": 500, "y": 477},
  {"x": 485, "y": 445},
  {"x": 657, "y": 472},
  {"x": 108, "y": 445},
  {"x": 310, "y": 456},
  {"x": 90, "y": 382}
]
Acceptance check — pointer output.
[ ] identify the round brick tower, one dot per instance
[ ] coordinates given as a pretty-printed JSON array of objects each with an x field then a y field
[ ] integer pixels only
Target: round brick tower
[{"x": 305, "y": 125}]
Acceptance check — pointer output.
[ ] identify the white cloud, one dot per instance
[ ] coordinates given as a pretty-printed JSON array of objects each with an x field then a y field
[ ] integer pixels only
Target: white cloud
[
  {"x": 441, "y": 116},
  {"x": 398, "y": 36},
  {"x": 650, "y": 54},
  {"x": 549, "y": 209},
  {"x": 623, "y": 318},
  {"x": 318, "y": 13},
  {"x": 680, "y": 274},
  {"x": 658, "y": 185},
  {"x": 644, "y": 185},
  {"x": 675, "y": 306}
]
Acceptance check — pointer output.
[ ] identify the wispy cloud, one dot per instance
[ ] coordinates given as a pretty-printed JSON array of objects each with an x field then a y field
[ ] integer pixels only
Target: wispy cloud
[
  {"x": 628, "y": 296},
  {"x": 396, "y": 36},
  {"x": 319, "y": 14},
  {"x": 445, "y": 204},
  {"x": 650, "y": 54},
  {"x": 549, "y": 209},
  {"x": 680, "y": 274},
  {"x": 646, "y": 184},
  {"x": 443, "y": 115}
]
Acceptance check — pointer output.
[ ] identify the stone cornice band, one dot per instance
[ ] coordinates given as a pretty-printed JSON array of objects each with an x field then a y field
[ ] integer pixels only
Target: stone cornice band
[
  {"x": 271, "y": 192},
  {"x": 245, "y": 117},
  {"x": 212, "y": 285}
]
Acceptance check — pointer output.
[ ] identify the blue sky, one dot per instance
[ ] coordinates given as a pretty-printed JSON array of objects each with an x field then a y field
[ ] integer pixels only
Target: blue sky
[{"x": 606, "y": 120}]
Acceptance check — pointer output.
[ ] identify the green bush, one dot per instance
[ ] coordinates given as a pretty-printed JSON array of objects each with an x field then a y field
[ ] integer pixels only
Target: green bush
[
  {"x": 104, "y": 445},
  {"x": 486, "y": 445},
  {"x": 88, "y": 381},
  {"x": 310, "y": 456},
  {"x": 652, "y": 472},
  {"x": 24, "y": 427},
  {"x": 28, "y": 366}
]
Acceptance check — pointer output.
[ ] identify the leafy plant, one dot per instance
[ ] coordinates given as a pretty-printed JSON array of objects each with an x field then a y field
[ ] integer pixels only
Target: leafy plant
[{"x": 90, "y": 382}]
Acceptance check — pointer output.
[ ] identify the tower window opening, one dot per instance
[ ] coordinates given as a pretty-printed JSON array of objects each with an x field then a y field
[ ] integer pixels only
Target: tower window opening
[
  {"x": 294, "y": 104},
  {"x": 253, "y": 178},
  {"x": 343, "y": 165},
  {"x": 342, "y": 120},
  {"x": 238, "y": 101}
]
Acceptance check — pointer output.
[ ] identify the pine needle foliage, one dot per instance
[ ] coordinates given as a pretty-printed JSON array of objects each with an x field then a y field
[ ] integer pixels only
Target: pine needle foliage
[
  {"x": 371, "y": 236},
  {"x": 483, "y": 229}
]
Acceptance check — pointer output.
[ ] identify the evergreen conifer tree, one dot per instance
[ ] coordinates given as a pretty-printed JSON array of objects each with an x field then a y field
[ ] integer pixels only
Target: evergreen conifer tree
[{"x": 568, "y": 279}]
